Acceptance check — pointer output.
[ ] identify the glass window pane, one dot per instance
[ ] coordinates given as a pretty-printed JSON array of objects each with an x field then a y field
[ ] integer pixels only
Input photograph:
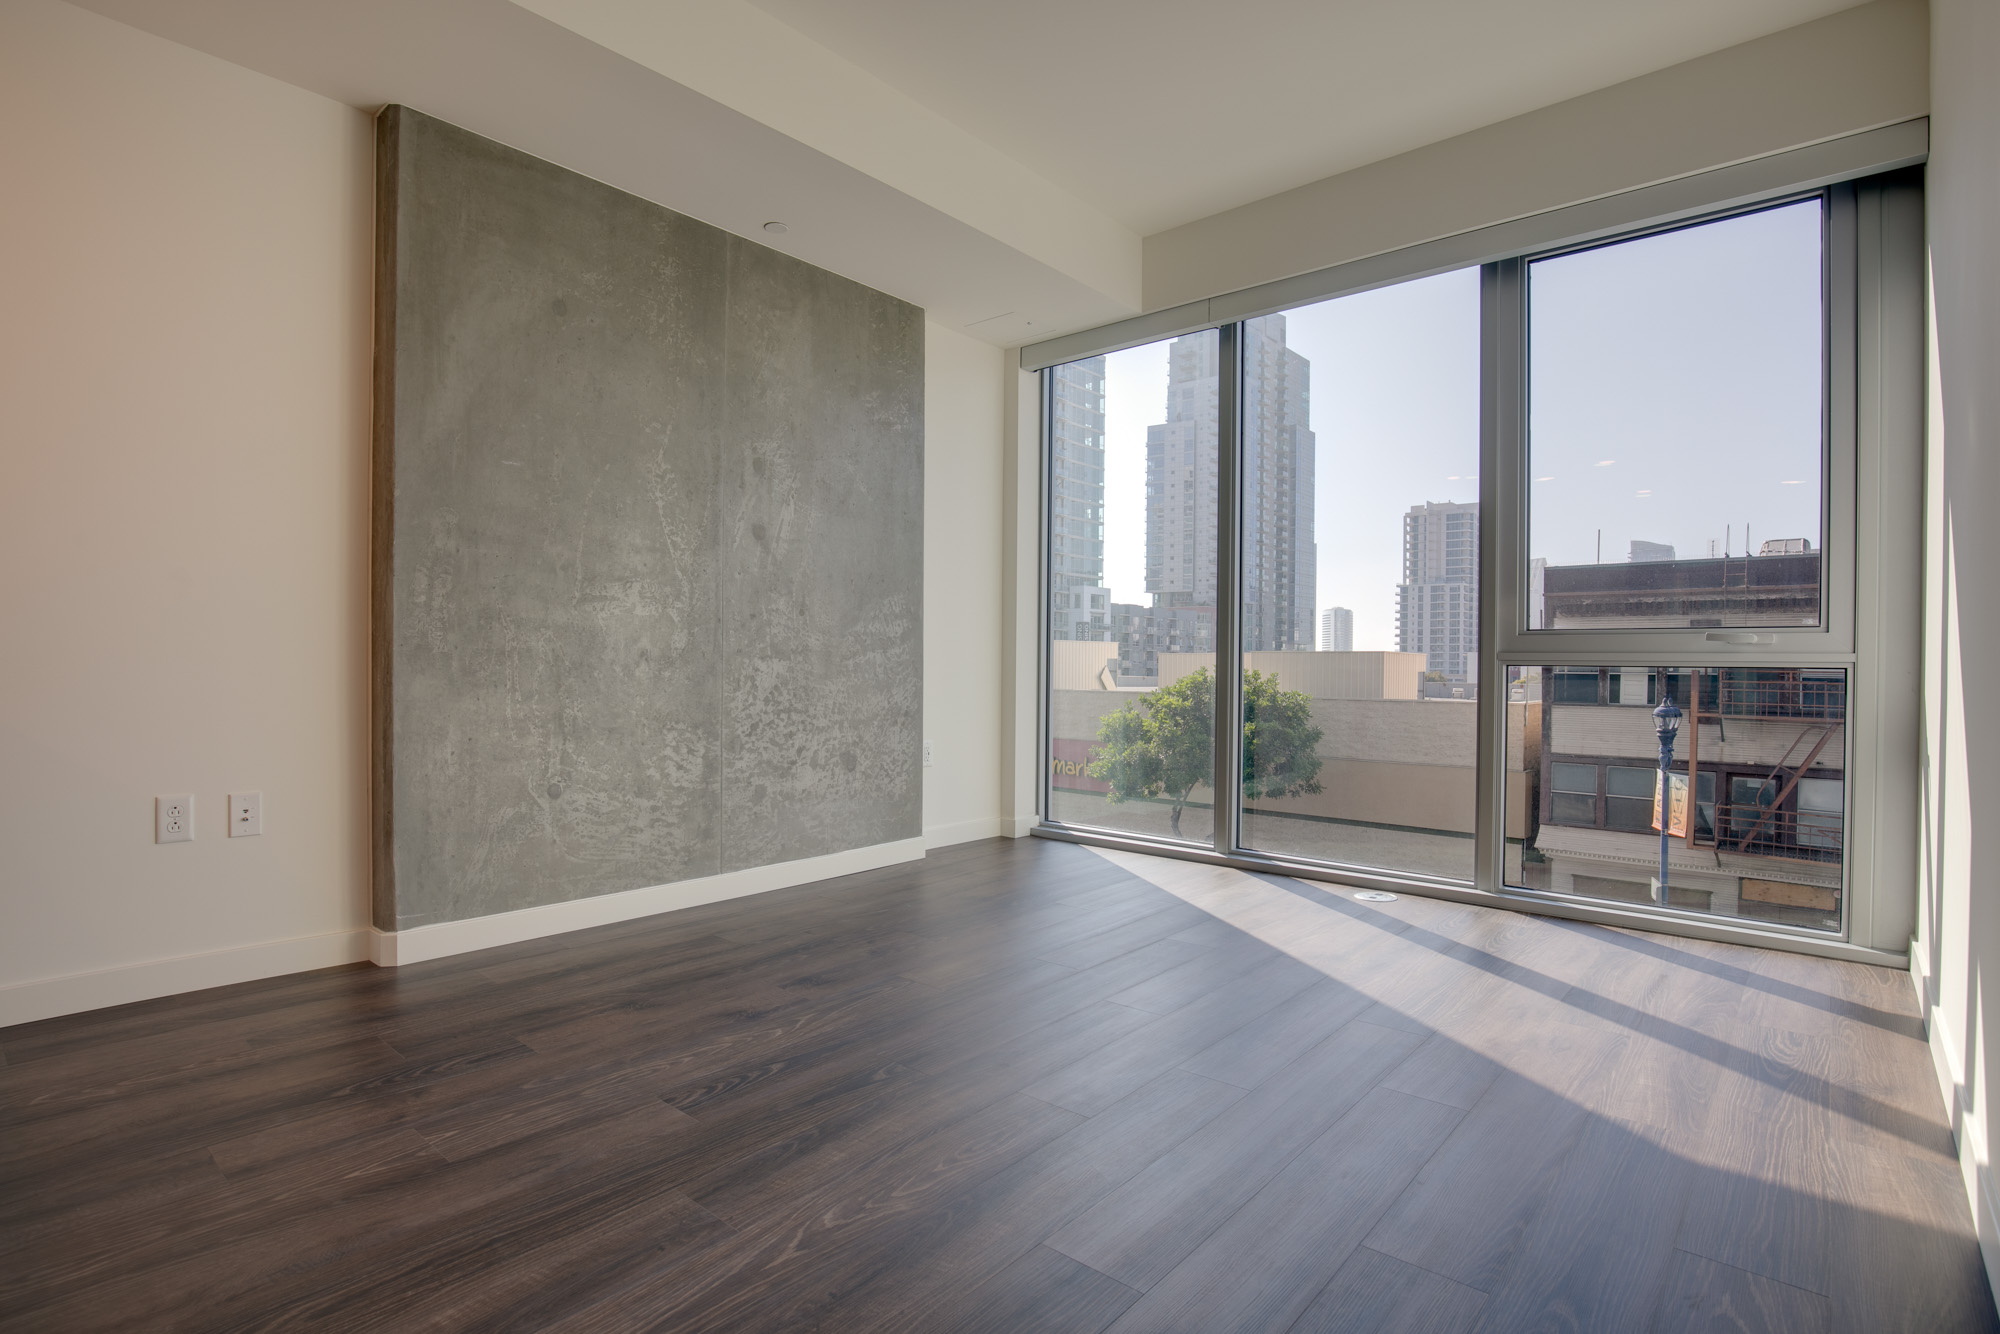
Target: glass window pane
[
  {"x": 1621, "y": 781},
  {"x": 1771, "y": 741},
  {"x": 1704, "y": 806},
  {"x": 1573, "y": 686},
  {"x": 1361, "y": 521},
  {"x": 1574, "y": 778},
  {"x": 1822, "y": 805},
  {"x": 1821, "y": 795},
  {"x": 1675, "y": 425},
  {"x": 1752, "y": 791},
  {"x": 1571, "y": 809},
  {"x": 1628, "y": 813},
  {"x": 1131, "y": 596}
]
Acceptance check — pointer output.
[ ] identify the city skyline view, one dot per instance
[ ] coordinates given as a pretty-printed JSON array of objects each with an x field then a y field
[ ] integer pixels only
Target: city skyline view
[
  {"x": 1394, "y": 405},
  {"x": 1658, "y": 365},
  {"x": 1673, "y": 384}
]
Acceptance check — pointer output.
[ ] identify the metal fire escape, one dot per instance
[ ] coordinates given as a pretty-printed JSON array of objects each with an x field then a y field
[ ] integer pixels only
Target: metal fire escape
[{"x": 1765, "y": 828}]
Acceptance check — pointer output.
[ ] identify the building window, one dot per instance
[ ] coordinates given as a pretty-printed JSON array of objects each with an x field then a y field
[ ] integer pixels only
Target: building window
[
  {"x": 1574, "y": 794},
  {"x": 1628, "y": 797},
  {"x": 1771, "y": 741}
]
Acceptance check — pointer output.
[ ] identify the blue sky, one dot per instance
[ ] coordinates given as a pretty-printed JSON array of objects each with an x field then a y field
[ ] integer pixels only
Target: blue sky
[
  {"x": 1675, "y": 390},
  {"x": 1675, "y": 397}
]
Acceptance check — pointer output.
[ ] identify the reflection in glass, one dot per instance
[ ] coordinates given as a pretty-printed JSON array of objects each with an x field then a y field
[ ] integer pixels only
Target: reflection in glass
[
  {"x": 1132, "y": 510},
  {"x": 1361, "y": 523},
  {"x": 1675, "y": 423},
  {"x": 1770, "y": 741}
]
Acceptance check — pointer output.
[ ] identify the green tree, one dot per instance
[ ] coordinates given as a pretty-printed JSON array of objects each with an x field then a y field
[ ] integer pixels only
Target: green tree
[
  {"x": 1164, "y": 746},
  {"x": 1280, "y": 740}
]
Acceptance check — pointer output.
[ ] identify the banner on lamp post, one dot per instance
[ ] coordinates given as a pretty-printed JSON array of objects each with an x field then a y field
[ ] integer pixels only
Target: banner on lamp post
[{"x": 1676, "y": 803}]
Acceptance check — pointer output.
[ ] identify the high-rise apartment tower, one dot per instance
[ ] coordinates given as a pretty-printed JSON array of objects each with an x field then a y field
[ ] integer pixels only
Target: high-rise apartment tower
[
  {"x": 1336, "y": 630},
  {"x": 1078, "y": 600},
  {"x": 1437, "y": 604},
  {"x": 1280, "y": 557},
  {"x": 1181, "y": 457}
]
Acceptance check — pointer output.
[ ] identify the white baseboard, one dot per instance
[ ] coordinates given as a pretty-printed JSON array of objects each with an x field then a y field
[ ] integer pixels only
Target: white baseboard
[
  {"x": 1967, "y": 1131},
  {"x": 438, "y": 940},
  {"x": 1019, "y": 826},
  {"x": 965, "y": 831},
  {"x": 44, "y": 998}
]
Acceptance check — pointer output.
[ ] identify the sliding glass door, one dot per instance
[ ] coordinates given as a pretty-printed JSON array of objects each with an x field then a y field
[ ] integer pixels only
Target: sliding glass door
[{"x": 1560, "y": 578}]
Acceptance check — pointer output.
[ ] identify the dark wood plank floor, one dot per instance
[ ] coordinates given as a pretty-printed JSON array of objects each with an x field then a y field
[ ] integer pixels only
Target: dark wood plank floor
[{"x": 1018, "y": 1086}]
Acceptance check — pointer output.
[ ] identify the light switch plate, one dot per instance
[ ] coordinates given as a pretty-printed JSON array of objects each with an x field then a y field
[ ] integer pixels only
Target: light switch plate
[
  {"x": 246, "y": 814},
  {"x": 173, "y": 818}
]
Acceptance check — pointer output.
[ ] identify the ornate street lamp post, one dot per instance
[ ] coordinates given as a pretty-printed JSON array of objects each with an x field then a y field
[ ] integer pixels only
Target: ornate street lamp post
[{"x": 1667, "y": 723}]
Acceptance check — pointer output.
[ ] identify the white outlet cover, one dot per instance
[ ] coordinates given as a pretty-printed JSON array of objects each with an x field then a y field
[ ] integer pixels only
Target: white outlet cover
[
  {"x": 246, "y": 814},
  {"x": 173, "y": 818}
]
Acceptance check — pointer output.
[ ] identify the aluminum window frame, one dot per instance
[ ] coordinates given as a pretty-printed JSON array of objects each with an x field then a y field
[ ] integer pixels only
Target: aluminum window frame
[
  {"x": 1872, "y": 442},
  {"x": 1873, "y": 264},
  {"x": 1507, "y": 348},
  {"x": 1831, "y": 642}
]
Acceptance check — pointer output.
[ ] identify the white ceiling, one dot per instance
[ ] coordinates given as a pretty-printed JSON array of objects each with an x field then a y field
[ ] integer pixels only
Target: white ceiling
[
  {"x": 995, "y": 163},
  {"x": 1158, "y": 112},
  {"x": 498, "y": 69}
]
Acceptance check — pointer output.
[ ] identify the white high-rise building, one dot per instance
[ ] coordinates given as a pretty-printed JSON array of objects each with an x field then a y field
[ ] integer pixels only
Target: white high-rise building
[
  {"x": 1336, "y": 630},
  {"x": 1437, "y": 604}
]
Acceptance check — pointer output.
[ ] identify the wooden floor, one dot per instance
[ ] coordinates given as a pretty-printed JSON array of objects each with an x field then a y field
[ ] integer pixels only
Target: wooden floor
[{"x": 1018, "y": 1086}]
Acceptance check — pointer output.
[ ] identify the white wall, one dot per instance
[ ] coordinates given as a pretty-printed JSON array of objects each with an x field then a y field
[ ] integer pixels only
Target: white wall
[
  {"x": 962, "y": 585},
  {"x": 1958, "y": 931},
  {"x": 184, "y": 522},
  {"x": 183, "y": 515},
  {"x": 1852, "y": 71}
]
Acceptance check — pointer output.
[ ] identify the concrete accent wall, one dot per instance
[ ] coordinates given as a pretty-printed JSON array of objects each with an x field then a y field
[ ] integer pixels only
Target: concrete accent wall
[{"x": 649, "y": 542}]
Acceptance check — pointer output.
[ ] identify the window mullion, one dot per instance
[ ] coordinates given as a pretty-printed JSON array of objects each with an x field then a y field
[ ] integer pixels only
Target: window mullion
[
  {"x": 1502, "y": 440},
  {"x": 1228, "y": 590}
]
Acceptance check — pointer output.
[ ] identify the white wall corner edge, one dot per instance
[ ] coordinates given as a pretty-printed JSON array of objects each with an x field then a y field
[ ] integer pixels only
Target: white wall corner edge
[
  {"x": 438, "y": 940},
  {"x": 73, "y": 993},
  {"x": 1980, "y": 1190}
]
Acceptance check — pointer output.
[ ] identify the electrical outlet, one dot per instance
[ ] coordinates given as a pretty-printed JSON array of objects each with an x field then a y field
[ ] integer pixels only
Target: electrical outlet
[
  {"x": 929, "y": 755},
  {"x": 173, "y": 818},
  {"x": 246, "y": 814}
]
